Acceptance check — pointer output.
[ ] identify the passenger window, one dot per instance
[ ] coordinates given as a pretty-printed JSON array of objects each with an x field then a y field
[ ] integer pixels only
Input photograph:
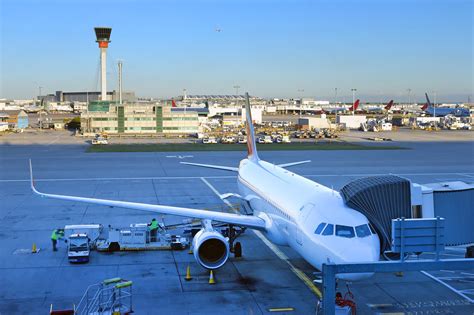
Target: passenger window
[
  {"x": 362, "y": 230},
  {"x": 329, "y": 230},
  {"x": 320, "y": 228},
  {"x": 345, "y": 231}
]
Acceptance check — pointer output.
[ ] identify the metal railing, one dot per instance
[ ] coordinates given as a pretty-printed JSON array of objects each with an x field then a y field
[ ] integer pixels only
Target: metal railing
[{"x": 111, "y": 295}]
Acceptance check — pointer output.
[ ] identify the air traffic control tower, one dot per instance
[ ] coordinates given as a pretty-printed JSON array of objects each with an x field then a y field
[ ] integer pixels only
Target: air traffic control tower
[{"x": 103, "y": 38}]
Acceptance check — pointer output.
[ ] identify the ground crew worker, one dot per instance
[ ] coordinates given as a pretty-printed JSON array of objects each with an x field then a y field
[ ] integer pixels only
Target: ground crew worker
[
  {"x": 153, "y": 227},
  {"x": 54, "y": 239},
  {"x": 57, "y": 234}
]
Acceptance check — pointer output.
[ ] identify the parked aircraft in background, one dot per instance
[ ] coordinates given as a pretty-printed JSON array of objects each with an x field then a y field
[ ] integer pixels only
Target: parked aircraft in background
[
  {"x": 381, "y": 109},
  {"x": 289, "y": 209},
  {"x": 343, "y": 109},
  {"x": 354, "y": 106},
  {"x": 431, "y": 110}
]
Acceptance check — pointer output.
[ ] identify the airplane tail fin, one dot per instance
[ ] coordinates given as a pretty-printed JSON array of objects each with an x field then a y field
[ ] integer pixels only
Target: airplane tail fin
[
  {"x": 428, "y": 100},
  {"x": 389, "y": 105},
  {"x": 251, "y": 144},
  {"x": 424, "y": 107},
  {"x": 173, "y": 103},
  {"x": 355, "y": 105}
]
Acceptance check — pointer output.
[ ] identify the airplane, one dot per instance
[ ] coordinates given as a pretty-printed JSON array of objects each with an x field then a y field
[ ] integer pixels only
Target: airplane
[
  {"x": 288, "y": 209},
  {"x": 443, "y": 111},
  {"x": 344, "y": 109},
  {"x": 381, "y": 109},
  {"x": 354, "y": 106},
  {"x": 389, "y": 105}
]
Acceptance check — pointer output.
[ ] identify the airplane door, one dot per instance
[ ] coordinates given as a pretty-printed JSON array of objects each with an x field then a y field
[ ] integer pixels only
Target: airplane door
[{"x": 304, "y": 213}]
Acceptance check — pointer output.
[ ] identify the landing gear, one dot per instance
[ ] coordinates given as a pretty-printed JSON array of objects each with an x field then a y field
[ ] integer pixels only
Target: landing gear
[
  {"x": 232, "y": 232},
  {"x": 237, "y": 250}
]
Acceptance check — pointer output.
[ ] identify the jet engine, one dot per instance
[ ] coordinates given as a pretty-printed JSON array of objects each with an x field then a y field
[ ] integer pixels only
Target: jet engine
[{"x": 211, "y": 248}]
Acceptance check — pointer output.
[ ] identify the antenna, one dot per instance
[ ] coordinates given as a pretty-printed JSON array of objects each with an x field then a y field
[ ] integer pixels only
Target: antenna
[{"x": 120, "y": 80}]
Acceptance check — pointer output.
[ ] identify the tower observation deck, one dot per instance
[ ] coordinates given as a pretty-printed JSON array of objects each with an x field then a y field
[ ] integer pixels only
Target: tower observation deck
[{"x": 103, "y": 38}]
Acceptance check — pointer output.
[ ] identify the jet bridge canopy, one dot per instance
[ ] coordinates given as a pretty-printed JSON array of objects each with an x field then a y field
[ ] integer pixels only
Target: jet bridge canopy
[{"x": 380, "y": 199}]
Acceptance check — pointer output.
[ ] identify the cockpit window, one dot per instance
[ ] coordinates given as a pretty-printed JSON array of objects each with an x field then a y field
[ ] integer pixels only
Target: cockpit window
[
  {"x": 345, "y": 231},
  {"x": 329, "y": 230},
  {"x": 320, "y": 228},
  {"x": 372, "y": 229},
  {"x": 362, "y": 230}
]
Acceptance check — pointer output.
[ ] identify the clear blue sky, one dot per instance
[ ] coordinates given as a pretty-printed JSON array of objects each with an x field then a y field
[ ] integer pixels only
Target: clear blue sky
[{"x": 269, "y": 48}]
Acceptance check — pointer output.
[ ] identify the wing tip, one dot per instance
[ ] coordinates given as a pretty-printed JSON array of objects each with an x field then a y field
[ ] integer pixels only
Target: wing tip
[{"x": 32, "y": 181}]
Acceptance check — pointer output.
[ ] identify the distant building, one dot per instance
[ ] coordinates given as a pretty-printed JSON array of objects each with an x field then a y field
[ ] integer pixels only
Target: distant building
[
  {"x": 22, "y": 120},
  {"x": 310, "y": 123},
  {"x": 137, "y": 118},
  {"x": 16, "y": 120},
  {"x": 62, "y": 96},
  {"x": 351, "y": 121},
  {"x": 257, "y": 113},
  {"x": 312, "y": 101},
  {"x": 4, "y": 121}
]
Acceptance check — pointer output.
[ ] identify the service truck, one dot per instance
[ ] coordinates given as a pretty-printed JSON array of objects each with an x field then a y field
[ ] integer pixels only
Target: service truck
[
  {"x": 78, "y": 248},
  {"x": 81, "y": 238}
]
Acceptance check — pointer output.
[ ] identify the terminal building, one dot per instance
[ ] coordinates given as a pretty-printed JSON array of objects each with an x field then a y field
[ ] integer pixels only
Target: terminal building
[
  {"x": 137, "y": 118},
  {"x": 86, "y": 96}
]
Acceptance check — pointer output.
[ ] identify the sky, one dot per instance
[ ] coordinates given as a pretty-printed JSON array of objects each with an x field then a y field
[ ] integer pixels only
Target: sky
[{"x": 268, "y": 48}]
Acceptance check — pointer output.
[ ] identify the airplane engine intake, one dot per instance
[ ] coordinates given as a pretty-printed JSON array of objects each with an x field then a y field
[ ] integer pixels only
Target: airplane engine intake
[{"x": 211, "y": 248}]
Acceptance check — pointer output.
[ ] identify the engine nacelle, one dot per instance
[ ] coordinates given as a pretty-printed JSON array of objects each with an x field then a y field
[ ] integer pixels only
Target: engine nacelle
[{"x": 211, "y": 248}]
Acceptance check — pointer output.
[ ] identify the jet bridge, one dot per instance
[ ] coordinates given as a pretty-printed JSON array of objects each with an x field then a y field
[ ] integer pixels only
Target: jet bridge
[
  {"x": 383, "y": 198},
  {"x": 380, "y": 199}
]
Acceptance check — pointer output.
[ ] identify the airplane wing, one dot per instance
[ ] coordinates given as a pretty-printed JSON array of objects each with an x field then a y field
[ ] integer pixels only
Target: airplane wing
[
  {"x": 237, "y": 219},
  {"x": 224, "y": 168},
  {"x": 293, "y": 163}
]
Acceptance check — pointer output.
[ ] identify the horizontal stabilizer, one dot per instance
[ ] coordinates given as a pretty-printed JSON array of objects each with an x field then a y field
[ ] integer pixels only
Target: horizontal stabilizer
[
  {"x": 293, "y": 163},
  {"x": 218, "y": 167}
]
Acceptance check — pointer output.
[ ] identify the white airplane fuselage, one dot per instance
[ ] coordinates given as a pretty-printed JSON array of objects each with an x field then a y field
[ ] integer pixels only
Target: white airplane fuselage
[{"x": 294, "y": 206}]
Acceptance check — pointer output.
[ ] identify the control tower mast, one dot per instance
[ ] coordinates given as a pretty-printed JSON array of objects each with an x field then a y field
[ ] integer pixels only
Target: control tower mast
[{"x": 103, "y": 38}]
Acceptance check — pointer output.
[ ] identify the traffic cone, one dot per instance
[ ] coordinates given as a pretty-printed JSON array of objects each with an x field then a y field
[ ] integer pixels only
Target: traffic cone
[
  {"x": 211, "y": 278},
  {"x": 188, "y": 274},
  {"x": 34, "y": 249}
]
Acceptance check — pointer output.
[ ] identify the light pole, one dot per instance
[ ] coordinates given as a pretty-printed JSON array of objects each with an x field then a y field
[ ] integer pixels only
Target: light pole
[
  {"x": 353, "y": 100},
  {"x": 301, "y": 99},
  {"x": 409, "y": 97},
  {"x": 335, "y": 103},
  {"x": 39, "y": 104},
  {"x": 236, "y": 87}
]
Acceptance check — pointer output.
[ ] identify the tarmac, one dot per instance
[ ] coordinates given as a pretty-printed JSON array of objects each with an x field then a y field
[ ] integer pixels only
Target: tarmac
[{"x": 265, "y": 280}]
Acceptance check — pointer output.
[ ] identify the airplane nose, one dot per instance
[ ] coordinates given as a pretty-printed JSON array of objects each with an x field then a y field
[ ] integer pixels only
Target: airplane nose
[{"x": 363, "y": 253}]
